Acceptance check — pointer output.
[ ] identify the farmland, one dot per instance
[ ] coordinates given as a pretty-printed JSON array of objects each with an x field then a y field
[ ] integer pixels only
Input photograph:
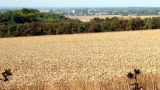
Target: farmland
[
  {"x": 93, "y": 57},
  {"x": 88, "y": 18}
]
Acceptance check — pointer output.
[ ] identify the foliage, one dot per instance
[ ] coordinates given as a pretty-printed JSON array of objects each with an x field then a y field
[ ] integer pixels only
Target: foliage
[{"x": 27, "y": 22}]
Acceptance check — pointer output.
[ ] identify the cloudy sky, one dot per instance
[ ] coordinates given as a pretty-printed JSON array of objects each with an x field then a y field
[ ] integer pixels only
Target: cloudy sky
[{"x": 79, "y": 3}]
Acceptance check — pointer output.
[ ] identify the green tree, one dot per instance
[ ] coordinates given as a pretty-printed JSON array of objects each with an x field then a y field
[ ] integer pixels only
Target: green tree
[
  {"x": 95, "y": 27},
  {"x": 149, "y": 24}
]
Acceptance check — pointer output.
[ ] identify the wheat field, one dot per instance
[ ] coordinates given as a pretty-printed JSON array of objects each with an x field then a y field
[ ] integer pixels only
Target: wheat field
[
  {"x": 93, "y": 61},
  {"x": 88, "y": 18}
]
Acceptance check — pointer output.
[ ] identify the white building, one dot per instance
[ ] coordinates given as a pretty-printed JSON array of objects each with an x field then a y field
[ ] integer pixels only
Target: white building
[{"x": 44, "y": 11}]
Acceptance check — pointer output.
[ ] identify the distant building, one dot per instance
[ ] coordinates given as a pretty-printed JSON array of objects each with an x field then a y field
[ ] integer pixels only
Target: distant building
[
  {"x": 91, "y": 12},
  {"x": 132, "y": 14},
  {"x": 98, "y": 14},
  {"x": 73, "y": 11},
  {"x": 44, "y": 11},
  {"x": 107, "y": 13},
  {"x": 80, "y": 14}
]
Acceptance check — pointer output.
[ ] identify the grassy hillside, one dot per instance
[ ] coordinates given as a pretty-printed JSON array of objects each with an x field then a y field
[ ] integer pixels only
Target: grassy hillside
[{"x": 84, "y": 60}]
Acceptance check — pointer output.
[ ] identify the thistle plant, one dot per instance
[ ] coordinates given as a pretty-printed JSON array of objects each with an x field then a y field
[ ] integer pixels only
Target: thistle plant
[
  {"x": 134, "y": 76},
  {"x": 6, "y": 74}
]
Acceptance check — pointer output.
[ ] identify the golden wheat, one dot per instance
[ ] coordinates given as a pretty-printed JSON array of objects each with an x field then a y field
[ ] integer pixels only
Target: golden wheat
[
  {"x": 84, "y": 58},
  {"x": 88, "y": 18}
]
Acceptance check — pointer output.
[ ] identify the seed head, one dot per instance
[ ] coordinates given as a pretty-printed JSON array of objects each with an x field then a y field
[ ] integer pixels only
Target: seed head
[
  {"x": 130, "y": 75},
  {"x": 137, "y": 71}
]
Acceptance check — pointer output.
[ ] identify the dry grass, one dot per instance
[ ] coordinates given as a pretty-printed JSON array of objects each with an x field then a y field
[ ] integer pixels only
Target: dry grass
[
  {"x": 88, "y": 18},
  {"x": 84, "y": 61}
]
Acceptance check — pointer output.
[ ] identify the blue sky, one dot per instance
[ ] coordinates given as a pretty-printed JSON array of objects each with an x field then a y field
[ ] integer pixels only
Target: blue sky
[{"x": 79, "y": 3}]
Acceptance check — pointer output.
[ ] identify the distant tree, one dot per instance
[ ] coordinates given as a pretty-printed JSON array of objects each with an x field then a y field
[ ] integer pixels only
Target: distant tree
[
  {"x": 11, "y": 30},
  {"x": 114, "y": 24},
  {"x": 6, "y": 17},
  {"x": 81, "y": 28},
  {"x": 2, "y": 30},
  {"x": 27, "y": 11},
  {"x": 135, "y": 24},
  {"x": 95, "y": 27},
  {"x": 26, "y": 22},
  {"x": 156, "y": 22},
  {"x": 97, "y": 20},
  {"x": 149, "y": 24}
]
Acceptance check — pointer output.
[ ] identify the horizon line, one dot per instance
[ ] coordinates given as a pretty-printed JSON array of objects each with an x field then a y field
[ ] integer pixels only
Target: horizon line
[{"x": 81, "y": 7}]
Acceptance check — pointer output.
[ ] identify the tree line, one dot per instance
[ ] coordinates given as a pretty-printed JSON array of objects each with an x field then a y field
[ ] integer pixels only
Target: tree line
[{"x": 29, "y": 22}]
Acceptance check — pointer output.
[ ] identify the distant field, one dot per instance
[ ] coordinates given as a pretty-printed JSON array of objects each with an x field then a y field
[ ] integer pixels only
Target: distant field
[
  {"x": 88, "y": 18},
  {"x": 40, "y": 60}
]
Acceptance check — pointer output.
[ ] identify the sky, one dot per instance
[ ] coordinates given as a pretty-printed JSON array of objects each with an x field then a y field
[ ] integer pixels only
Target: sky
[{"x": 79, "y": 3}]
